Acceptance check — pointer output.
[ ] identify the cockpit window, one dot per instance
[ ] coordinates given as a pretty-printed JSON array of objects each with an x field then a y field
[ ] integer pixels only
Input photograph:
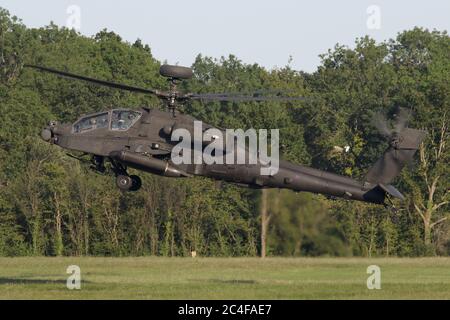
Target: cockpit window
[
  {"x": 123, "y": 119},
  {"x": 91, "y": 122}
]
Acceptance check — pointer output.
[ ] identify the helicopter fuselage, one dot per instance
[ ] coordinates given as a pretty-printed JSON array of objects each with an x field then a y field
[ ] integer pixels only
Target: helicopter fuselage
[
  {"x": 142, "y": 139},
  {"x": 144, "y": 142}
]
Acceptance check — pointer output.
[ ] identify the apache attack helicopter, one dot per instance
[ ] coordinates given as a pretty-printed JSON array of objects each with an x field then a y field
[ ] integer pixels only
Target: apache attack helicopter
[{"x": 141, "y": 139}]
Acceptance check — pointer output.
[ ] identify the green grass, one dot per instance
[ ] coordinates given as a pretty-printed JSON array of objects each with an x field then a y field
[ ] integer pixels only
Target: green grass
[{"x": 224, "y": 278}]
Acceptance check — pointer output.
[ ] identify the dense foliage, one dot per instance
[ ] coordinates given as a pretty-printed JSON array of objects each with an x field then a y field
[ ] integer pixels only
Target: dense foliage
[{"x": 50, "y": 204}]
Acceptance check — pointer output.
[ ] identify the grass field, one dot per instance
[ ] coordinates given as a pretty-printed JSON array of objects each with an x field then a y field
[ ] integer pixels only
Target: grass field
[{"x": 224, "y": 278}]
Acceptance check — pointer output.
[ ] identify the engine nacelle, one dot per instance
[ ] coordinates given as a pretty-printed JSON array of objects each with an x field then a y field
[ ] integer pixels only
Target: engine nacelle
[{"x": 148, "y": 163}]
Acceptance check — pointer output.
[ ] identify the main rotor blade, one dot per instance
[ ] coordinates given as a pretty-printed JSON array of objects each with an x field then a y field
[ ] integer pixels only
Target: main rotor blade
[
  {"x": 224, "y": 97},
  {"x": 254, "y": 93},
  {"x": 96, "y": 81}
]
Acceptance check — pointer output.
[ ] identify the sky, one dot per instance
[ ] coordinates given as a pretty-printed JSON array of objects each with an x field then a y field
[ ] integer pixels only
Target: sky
[{"x": 270, "y": 33}]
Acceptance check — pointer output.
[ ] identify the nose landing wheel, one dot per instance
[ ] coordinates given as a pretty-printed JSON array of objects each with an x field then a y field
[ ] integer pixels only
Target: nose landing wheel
[{"x": 128, "y": 183}]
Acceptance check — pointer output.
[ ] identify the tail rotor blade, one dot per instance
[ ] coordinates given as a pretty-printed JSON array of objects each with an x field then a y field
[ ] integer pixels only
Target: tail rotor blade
[
  {"x": 381, "y": 123},
  {"x": 402, "y": 118}
]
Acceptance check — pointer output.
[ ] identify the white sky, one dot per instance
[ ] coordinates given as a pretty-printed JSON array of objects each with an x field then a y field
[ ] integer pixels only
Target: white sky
[{"x": 261, "y": 31}]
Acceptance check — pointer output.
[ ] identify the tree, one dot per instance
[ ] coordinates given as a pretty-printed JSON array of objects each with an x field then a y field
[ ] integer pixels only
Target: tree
[
  {"x": 430, "y": 193},
  {"x": 265, "y": 220}
]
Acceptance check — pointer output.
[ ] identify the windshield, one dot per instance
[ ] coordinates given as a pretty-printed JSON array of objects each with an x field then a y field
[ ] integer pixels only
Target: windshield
[
  {"x": 124, "y": 119},
  {"x": 91, "y": 122}
]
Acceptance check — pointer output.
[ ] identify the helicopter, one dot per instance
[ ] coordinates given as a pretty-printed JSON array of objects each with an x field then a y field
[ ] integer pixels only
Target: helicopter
[{"x": 141, "y": 139}]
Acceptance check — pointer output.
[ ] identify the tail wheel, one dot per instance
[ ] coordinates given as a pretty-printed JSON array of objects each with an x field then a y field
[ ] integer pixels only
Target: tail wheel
[
  {"x": 136, "y": 183},
  {"x": 124, "y": 183}
]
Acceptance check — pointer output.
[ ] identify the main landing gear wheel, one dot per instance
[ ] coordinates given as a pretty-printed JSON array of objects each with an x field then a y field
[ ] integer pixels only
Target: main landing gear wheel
[
  {"x": 136, "y": 183},
  {"x": 123, "y": 182}
]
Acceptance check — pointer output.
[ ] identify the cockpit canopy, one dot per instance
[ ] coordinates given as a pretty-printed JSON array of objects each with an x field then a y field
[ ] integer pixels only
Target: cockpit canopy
[
  {"x": 115, "y": 120},
  {"x": 92, "y": 122},
  {"x": 123, "y": 119}
]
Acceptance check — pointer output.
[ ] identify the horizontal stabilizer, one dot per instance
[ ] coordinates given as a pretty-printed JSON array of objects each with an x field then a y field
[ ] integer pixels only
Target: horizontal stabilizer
[{"x": 390, "y": 189}]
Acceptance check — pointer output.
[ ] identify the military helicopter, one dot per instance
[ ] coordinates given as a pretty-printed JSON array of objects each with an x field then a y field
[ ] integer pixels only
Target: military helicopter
[{"x": 141, "y": 139}]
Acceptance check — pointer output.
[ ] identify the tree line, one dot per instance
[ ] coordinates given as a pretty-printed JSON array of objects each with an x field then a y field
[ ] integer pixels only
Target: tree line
[{"x": 51, "y": 204}]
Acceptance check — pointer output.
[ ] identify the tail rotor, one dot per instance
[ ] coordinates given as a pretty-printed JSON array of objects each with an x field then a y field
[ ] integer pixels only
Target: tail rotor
[{"x": 403, "y": 143}]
